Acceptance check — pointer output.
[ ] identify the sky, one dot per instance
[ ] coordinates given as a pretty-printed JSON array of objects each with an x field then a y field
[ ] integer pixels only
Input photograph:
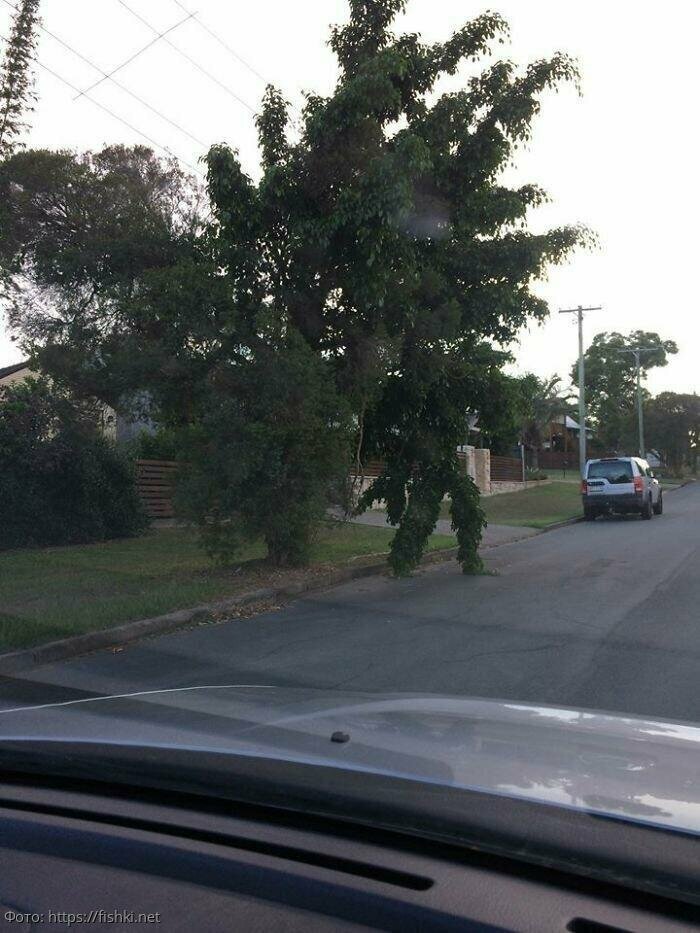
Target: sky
[{"x": 621, "y": 158}]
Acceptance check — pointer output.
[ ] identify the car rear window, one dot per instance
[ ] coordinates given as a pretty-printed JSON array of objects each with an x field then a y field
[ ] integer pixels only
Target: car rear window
[{"x": 614, "y": 471}]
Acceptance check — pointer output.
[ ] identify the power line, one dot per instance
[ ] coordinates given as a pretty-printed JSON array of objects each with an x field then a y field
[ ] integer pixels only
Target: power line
[
  {"x": 159, "y": 36},
  {"x": 189, "y": 58},
  {"x": 114, "y": 81},
  {"x": 222, "y": 43},
  {"x": 107, "y": 110},
  {"x": 294, "y": 121}
]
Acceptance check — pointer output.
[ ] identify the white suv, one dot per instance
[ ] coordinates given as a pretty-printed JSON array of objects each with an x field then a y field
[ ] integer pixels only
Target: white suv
[{"x": 620, "y": 484}]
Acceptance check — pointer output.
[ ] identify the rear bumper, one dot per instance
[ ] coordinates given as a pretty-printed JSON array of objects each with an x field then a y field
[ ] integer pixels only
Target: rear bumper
[{"x": 628, "y": 502}]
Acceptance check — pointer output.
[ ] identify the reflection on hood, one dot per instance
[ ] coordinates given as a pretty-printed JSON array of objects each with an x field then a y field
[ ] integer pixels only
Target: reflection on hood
[{"x": 641, "y": 770}]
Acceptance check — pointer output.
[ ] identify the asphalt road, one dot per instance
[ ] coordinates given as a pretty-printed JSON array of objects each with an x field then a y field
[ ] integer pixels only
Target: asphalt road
[{"x": 604, "y": 616}]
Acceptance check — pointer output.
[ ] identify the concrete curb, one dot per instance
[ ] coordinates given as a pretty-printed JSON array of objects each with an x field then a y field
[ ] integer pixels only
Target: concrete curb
[
  {"x": 688, "y": 482},
  {"x": 555, "y": 525},
  {"x": 16, "y": 661}
]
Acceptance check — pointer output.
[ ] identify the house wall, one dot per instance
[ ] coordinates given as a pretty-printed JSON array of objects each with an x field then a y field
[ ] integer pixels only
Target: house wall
[
  {"x": 114, "y": 426},
  {"x": 15, "y": 377}
]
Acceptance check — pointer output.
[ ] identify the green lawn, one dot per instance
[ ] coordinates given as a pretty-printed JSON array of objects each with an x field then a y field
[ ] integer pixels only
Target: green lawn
[
  {"x": 571, "y": 475},
  {"x": 535, "y": 507},
  {"x": 55, "y": 592}
]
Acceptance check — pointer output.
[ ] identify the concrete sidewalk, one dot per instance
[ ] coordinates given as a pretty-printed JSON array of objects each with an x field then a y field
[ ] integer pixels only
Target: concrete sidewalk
[{"x": 493, "y": 534}]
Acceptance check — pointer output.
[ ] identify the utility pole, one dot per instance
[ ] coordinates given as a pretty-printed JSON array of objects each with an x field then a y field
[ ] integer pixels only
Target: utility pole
[
  {"x": 636, "y": 353},
  {"x": 581, "y": 386}
]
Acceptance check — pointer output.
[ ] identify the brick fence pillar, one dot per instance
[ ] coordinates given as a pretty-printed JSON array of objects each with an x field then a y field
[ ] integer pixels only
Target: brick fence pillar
[
  {"x": 482, "y": 470},
  {"x": 469, "y": 463}
]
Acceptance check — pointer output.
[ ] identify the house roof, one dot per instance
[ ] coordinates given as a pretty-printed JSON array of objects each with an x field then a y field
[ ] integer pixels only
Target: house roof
[
  {"x": 15, "y": 368},
  {"x": 569, "y": 422},
  {"x": 575, "y": 426}
]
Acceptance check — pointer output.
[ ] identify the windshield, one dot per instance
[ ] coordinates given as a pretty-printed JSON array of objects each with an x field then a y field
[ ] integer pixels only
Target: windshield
[
  {"x": 614, "y": 471},
  {"x": 330, "y": 334}
]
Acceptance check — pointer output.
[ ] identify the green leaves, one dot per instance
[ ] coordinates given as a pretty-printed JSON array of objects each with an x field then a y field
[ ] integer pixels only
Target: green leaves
[
  {"x": 611, "y": 385},
  {"x": 272, "y": 124},
  {"x": 16, "y": 91},
  {"x": 672, "y": 426}
]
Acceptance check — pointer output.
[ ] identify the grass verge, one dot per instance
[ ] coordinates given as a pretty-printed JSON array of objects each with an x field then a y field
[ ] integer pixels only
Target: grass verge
[
  {"x": 536, "y": 507},
  {"x": 53, "y": 593}
]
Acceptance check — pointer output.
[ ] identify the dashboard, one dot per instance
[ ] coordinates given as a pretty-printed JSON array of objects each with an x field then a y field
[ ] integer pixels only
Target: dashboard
[{"x": 81, "y": 856}]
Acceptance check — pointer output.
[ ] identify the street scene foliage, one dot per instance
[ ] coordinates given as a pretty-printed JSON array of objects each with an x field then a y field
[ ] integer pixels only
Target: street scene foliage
[
  {"x": 611, "y": 382},
  {"x": 354, "y": 303}
]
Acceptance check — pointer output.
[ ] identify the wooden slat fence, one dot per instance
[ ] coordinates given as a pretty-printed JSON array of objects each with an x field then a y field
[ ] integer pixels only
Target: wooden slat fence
[
  {"x": 371, "y": 469},
  {"x": 374, "y": 467},
  {"x": 506, "y": 470},
  {"x": 556, "y": 459},
  {"x": 155, "y": 483}
]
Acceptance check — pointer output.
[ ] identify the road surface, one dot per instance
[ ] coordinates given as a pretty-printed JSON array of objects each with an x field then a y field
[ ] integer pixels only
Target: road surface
[{"x": 604, "y": 616}]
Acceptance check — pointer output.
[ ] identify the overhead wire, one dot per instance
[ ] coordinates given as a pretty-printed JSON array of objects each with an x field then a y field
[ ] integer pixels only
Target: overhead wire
[
  {"x": 200, "y": 22},
  {"x": 131, "y": 58},
  {"x": 114, "y": 81},
  {"x": 189, "y": 58},
  {"x": 111, "y": 113},
  {"x": 221, "y": 42}
]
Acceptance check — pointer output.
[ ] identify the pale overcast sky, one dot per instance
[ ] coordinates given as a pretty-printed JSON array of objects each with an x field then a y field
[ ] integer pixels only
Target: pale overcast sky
[{"x": 621, "y": 159}]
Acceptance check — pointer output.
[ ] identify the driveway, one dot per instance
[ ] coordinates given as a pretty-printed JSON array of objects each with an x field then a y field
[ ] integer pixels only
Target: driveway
[{"x": 603, "y": 615}]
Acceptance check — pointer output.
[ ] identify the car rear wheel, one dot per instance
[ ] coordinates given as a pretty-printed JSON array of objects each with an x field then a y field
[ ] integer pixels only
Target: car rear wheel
[
  {"x": 589, "y": 514},
  {"x": 647, "y": 510},
  {"x": 659, "y": 507}
]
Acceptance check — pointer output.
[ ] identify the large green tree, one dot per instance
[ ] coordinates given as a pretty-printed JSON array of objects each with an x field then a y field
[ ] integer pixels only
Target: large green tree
[
  {"x": 386, "y": 239},
  {"x": 611, "y": 382}
]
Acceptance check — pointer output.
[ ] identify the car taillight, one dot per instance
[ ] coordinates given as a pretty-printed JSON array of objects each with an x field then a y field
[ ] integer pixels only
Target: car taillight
[
  {"x": 638, "y": 484},
  {"x": 584, "y": 487}
]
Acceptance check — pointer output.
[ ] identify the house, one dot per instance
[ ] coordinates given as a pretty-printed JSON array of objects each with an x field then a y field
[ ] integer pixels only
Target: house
[
  {"x": 114, "y": 425},
  {"x": 561, "y": 436},
  {"x": 17, "y": 372}
]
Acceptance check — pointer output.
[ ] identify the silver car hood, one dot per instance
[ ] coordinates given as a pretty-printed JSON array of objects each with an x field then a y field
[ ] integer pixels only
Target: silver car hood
[{"x": 641, "y": 770}]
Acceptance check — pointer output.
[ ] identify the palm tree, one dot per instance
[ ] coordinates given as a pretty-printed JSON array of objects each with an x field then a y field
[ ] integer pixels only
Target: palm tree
[{"x": 542, "y": 400}]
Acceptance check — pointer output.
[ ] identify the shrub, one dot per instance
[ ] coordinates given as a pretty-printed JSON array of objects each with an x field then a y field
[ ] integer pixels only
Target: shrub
[
  {"x": 61, "y": 481},
  {"x": 164, "y": 444},
  {"x": 270, "y": 442}
]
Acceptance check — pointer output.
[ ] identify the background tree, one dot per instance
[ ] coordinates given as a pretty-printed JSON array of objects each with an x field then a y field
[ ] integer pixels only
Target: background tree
[
  {"x": 672, "y": 425},
  {"x": 16, "y": 93},
  {"x": 99, "y": 256},
  {"x": 541, "y": 401},
  {"x": 117, "y": 292},
  {"x": 611, "y": 384}
]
